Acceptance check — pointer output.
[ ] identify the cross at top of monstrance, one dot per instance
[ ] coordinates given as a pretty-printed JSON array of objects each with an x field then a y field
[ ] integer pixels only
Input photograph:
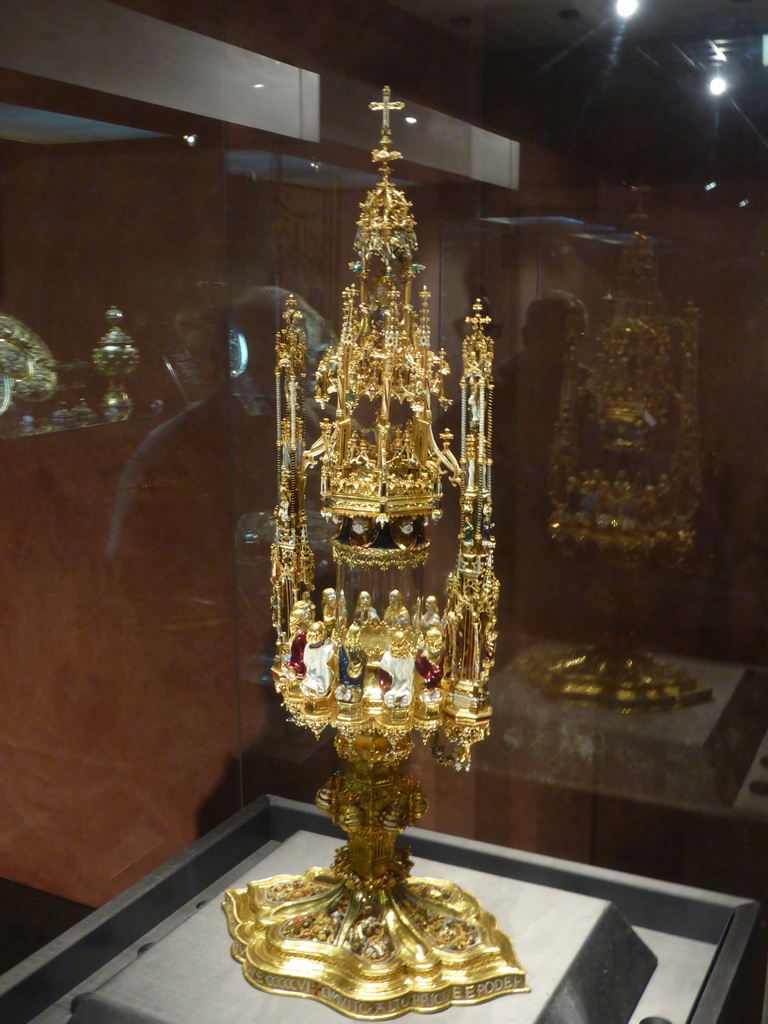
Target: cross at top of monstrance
[
  {"x": 385, "y": 154},
  {"x": 385, "y": 106},
  {"x": 375, "y": 658}
]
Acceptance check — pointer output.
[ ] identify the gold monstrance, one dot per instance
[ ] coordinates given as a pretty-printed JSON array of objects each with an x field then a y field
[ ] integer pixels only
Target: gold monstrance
[
  {"x": 632, "y": 494},
  {"x": 381, "y": 659}
]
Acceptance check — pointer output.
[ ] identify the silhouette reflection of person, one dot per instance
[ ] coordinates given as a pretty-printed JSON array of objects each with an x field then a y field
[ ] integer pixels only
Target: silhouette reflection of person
[
  {"x": 527, "y": 388},
  {"x": 181, "y": 491},
  {"x": 190, "y": 581}
]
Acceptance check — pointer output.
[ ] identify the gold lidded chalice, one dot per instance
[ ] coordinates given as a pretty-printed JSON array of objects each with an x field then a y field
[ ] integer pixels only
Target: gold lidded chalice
[{"x": 115, "y": 357}]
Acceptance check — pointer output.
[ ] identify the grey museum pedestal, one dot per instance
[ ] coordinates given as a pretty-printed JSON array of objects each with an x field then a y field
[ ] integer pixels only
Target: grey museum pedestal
[{"x": 599, "y": 947}]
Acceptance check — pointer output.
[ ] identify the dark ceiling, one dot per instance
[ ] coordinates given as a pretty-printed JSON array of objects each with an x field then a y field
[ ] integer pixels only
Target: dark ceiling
[
  {"x": 505, "y": 25},
  {"x": 630, "y": 96}
]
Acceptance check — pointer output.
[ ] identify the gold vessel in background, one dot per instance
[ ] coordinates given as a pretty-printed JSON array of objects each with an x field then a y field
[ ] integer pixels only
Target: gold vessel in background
[
  {"x": 115, "y": 357},
  {"x": 625, "y": 478}
]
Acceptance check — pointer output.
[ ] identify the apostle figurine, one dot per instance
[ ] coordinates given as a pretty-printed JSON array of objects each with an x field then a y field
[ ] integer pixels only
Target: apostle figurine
[
  {"x": 298, "y": 625},
  {"x": 301, "y": 617},
  {"x": 307, "y": 601},
  {"x": 396, "y": 672},
  {"x": 430, "y": 664},
  {"x": 352, "y": 661},
  {"x": 396, "y": 616},
  {"x": 431, "y": 614},
  {"x": 329, "y": 610},
  {"x": 318, "y": 659},
  {"x": 365, "y": 613}
]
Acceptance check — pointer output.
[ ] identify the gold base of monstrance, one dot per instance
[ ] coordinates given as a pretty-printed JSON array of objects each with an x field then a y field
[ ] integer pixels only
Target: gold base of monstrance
[
  {"x": 609, "y": 677},
  {"x": 364, "y": 936}
]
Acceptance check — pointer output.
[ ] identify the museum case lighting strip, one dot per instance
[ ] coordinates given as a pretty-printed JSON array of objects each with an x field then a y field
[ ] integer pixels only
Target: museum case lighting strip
[{"x": 133, "y": 55}]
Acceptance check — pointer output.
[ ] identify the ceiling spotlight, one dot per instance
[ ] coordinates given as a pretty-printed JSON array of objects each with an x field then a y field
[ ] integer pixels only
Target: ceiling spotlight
[
  {"x": 191, "y": 140},
  {"x": 410, "y": 120},
  {"x": 717, "y": 85},
  {"x": 626, "y": 8},
  {"x": 710, "y": 186},
  {"x": 744, "y": 202}
]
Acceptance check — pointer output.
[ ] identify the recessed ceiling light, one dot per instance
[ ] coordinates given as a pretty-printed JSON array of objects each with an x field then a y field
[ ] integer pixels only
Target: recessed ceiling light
[
  {"x": 259, "y": 85},
  {"x": 626, "y": 8},
  {"x": 411, "y": 120},
  {"x": 717, "y": 85},
  {"x": 710, "y": 186},
  {"x": 744, "y": 202}
]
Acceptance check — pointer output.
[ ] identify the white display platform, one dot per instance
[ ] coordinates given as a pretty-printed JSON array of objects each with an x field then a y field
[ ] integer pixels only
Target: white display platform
[{"x": 568, "y": 943}]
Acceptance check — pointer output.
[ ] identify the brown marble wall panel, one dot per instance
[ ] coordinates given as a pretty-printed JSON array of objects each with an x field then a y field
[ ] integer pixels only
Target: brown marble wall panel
[
  {"x": 119, "y": 686},
  {"x": 119, "y": 691},
  {"x": 137, "y": 224}
]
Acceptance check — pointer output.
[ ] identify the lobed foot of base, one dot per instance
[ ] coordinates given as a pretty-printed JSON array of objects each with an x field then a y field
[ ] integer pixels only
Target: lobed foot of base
[{"x": 419, "y": 945}]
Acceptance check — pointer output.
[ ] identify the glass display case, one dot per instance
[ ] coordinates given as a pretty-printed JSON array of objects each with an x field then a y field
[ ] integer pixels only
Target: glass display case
[{"x": 170, "y": 173}]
